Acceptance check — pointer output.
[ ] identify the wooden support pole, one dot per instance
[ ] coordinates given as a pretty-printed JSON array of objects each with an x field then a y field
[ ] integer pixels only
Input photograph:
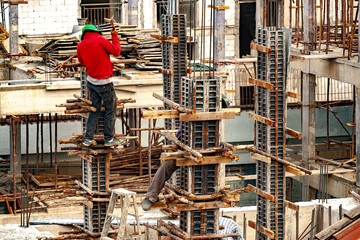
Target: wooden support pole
[
  {"x": 172, "y": 104},
  {"x": 180, "y": 144},
  {"x": 252, "y": 149}
]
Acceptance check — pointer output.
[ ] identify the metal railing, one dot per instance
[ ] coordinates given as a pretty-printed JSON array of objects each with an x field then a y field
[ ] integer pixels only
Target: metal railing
[{"x": 95, "y": 13}]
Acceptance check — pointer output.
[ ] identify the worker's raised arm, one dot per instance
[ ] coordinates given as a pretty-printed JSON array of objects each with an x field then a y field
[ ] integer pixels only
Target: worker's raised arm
[{"x": 113, "y": 48}]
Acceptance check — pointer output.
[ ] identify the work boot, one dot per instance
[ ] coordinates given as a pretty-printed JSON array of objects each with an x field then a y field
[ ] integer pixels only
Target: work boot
[
  {"x": 113, "y": 142},
  {"x": 88, "y": 142},
  {"x": 146, "y": 204}
]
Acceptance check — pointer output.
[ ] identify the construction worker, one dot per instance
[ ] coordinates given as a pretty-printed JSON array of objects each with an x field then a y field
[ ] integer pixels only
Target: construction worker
[
  {"x": 165, "y": 171},
  {"x": 94, "y": 53},
  {"x": 228, "y": 226}
]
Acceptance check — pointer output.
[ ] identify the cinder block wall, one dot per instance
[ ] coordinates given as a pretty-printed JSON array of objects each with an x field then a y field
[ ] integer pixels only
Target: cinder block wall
[{"x": 48, "y": 16}]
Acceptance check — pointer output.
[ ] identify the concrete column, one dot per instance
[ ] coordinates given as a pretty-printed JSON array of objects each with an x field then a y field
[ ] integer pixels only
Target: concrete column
[
  {"x": 308, "y": 23},
  {"x": 359, "y": 31},
  {"x": 357, "y": 120},
  {"x": 307, "y": 127},
  {"x": 14, "y": 34},
  {"x": 173, "y": 7},
  {"x": 17, "y": 155},
  {"x": 237, "y": 29},
  {"x": 259, "y": 15},
  {"x": 133, "y": 12},
  {"x": 219, "y": 38}
]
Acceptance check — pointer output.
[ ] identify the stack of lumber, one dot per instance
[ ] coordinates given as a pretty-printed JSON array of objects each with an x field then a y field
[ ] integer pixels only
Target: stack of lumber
[
  {"x": 59, "y": 49},
  {"x": 128, "y": 163},
  {"x": 134, "y": 45}
]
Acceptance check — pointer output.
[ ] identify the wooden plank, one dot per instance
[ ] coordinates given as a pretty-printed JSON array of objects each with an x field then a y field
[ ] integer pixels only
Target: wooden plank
[
  {"x": 219, "y": 8},
  {"x": 206, "y": 116},
  {"x": 151, "y": 114},
  {"x": 201, "y": 206},
  {"x": 165, "y": 38},
  {"x": 294, "y": 95},
  {"x": 48, "y": 181},
  {"x": 291, "y": 205},
  {"x": 293, "y": 133},
  {"x": 262, "y": 119},
  {"x": 263, "y": 230},
  {"x": 203, "y": 161},
  {"x": 4, "y": 30},
  {"x": 261, "y": 158},
  {"x": 261, "y": 192},
  {"x": 160, "y": 114},
  {"x": 243, "y": 147},
  {"x": 261, "y": 83},
  {"x": 294, "y": 171},
  {"x": 260, "y": 48}
]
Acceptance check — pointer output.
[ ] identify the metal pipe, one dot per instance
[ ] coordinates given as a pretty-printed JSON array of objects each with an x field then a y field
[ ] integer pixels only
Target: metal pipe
[
  {"x": 42, "y": 137},
  {"x": 50, "y": 132},
  {"x": 37, "y": 144},
  {"x": 14, "y": 162},
  {"x": 27, "y": 151},
  {"x": 56, "y": 140}
]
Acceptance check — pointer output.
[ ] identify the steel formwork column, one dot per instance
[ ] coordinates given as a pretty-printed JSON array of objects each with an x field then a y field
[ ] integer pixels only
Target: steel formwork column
[
  {"x": 14, "y": 34},
  {"x": 133, "y": 12},
  {"x": 219, "y": 37}
]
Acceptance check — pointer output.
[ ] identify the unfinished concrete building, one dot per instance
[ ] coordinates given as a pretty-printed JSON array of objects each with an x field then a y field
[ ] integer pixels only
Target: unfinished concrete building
[{"x": 262, "y": 96}]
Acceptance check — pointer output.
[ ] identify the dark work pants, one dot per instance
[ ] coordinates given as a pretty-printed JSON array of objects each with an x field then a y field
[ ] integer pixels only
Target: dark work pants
[
  {"x": 102, "y": 95},
  {"x": 161, "y": 176}
]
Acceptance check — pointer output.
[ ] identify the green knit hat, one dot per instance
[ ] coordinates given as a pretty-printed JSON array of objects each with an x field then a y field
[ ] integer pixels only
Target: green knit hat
[{"x": 89, "y": 28}]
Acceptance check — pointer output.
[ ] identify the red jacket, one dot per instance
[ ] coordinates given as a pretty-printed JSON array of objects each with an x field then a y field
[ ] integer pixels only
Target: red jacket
[{"x": 93, "y": 52}]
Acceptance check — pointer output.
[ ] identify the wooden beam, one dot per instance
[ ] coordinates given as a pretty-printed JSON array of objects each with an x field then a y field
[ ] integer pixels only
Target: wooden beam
[
  {"x": 219, "y": 8},
  {"x": 165, "y": 38},
  {"x": 261, "y": 158},
  {"x": 261, "y": 192},
  {"x": 293, "y": 170},
  {"x": 252, "y": 149},
  {"x": 201, "y": 206},
  {"x": 203, "y": 161},
  {"x": 262, "y": 119},
  {"x": 294, "y": 95},
  {"x": 160, "y": 114},
  {"x": 172, "y": 104},
  {"x": 206, "y": 116},
  {"x": 261, "y": 83},
  {"x": 260, "y": 48},
  {"x": 291, "y": 205},
  {"x": 166, "y": 71},
  {"x": 180, "y": 144},
  {"x": 293, "y": 133},
  {"x": 263, "y": 230}
]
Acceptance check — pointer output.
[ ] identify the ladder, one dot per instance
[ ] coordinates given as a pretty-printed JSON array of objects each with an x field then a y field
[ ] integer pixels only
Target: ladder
[{"x": 125, "y": 198}]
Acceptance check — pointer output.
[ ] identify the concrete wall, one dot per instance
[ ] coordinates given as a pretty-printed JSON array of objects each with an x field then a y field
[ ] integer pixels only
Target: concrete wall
[
  {"x": 305, "y": 216},
  {"x": 48, "y": 16}
]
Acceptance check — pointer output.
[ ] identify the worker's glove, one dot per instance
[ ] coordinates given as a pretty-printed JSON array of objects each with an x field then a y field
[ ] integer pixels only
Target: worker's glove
[{"x": 114, "y": 31}]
